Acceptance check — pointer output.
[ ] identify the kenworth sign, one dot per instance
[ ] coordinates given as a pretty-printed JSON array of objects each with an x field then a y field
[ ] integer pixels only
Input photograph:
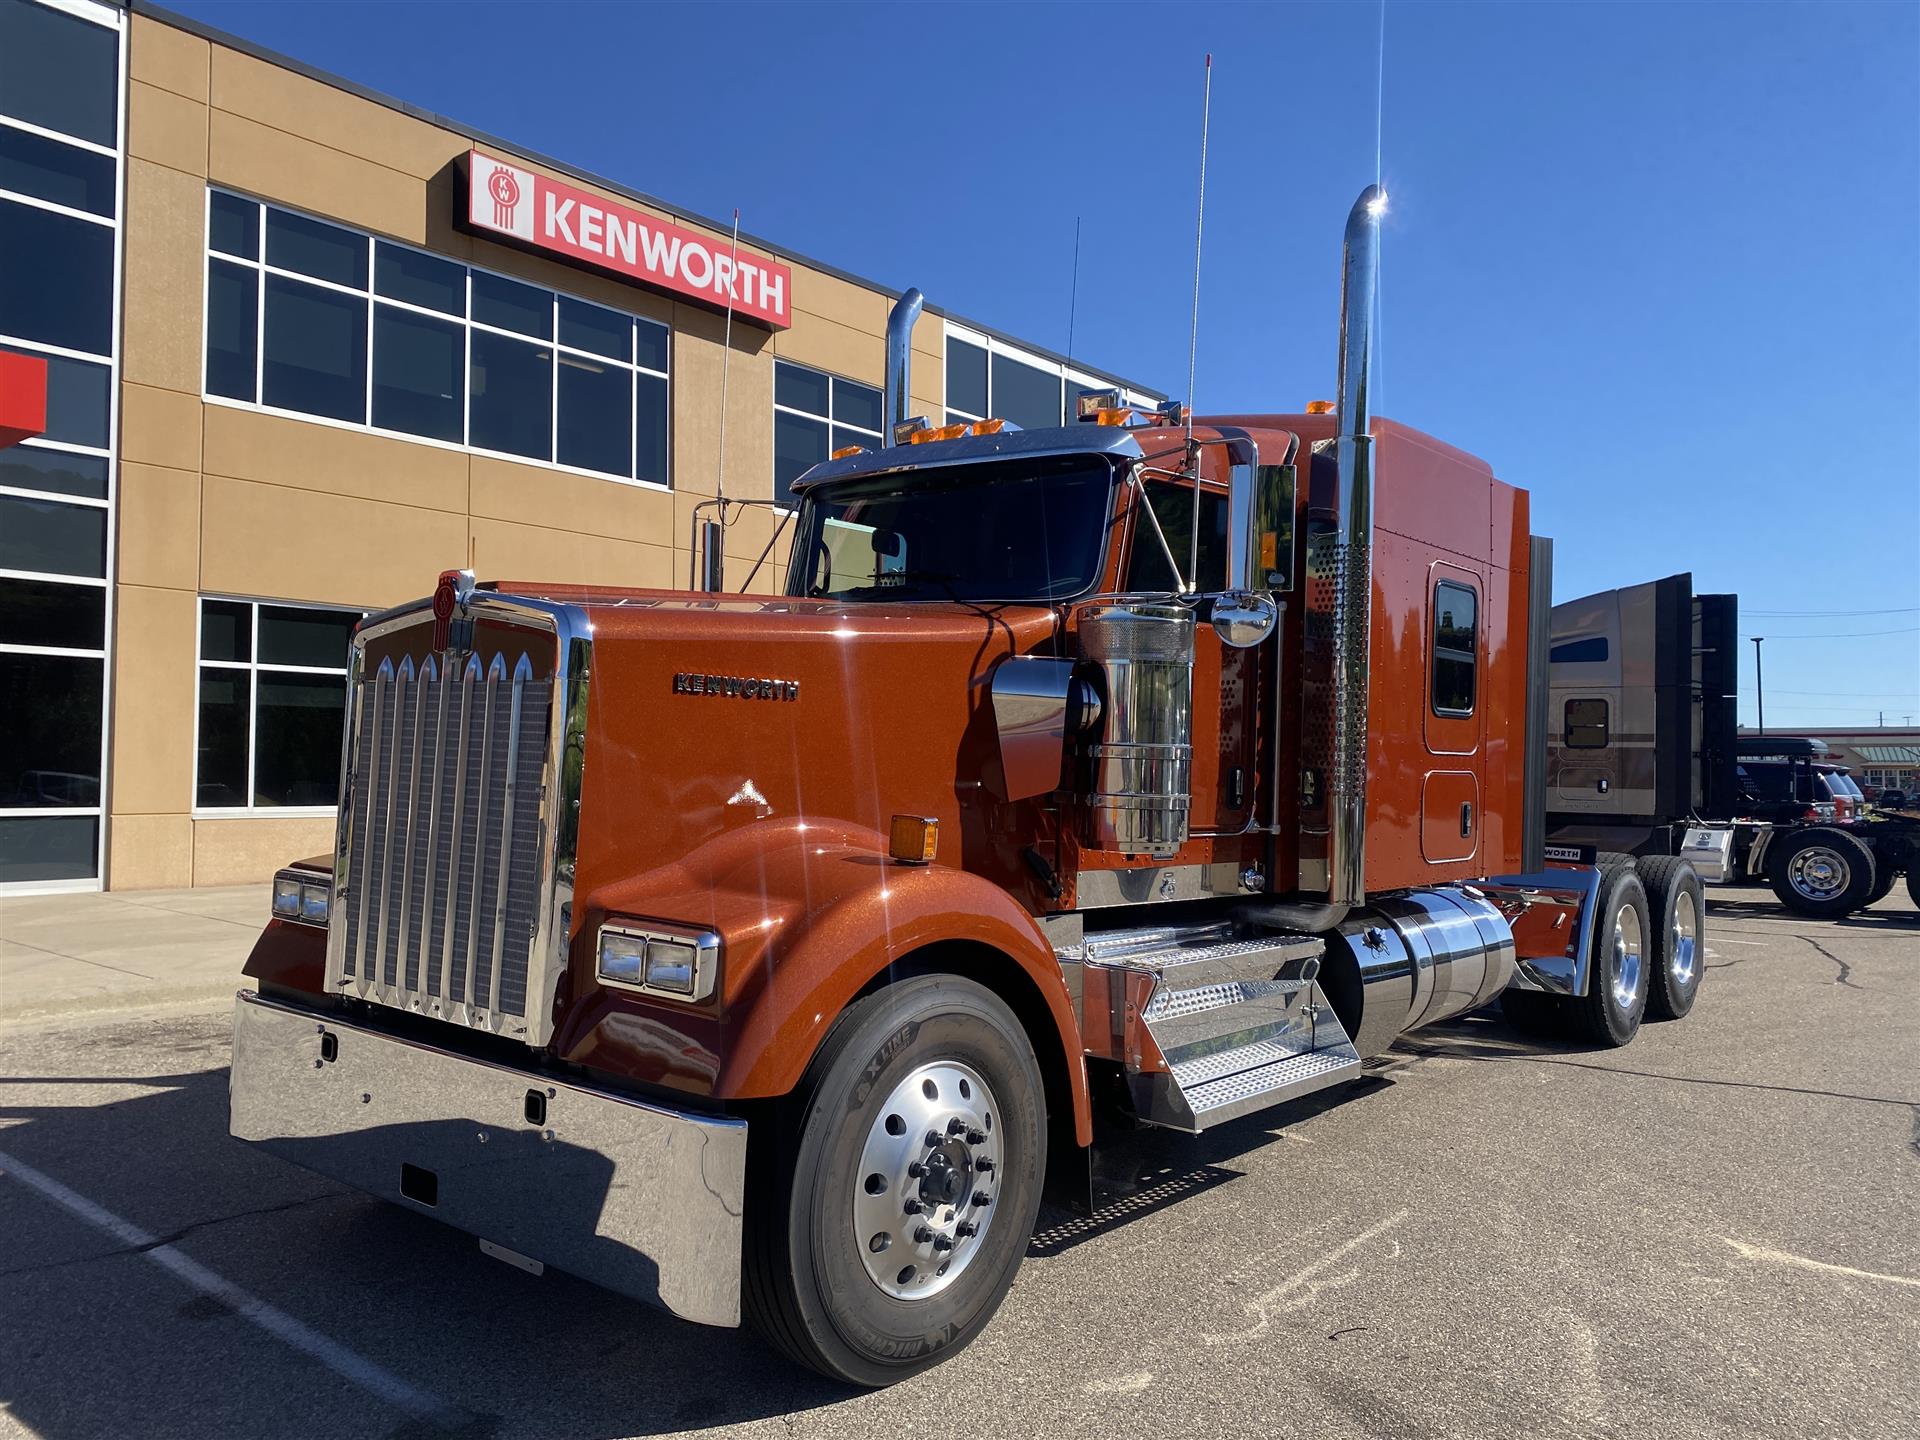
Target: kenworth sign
[{"x": 554, "y": 216}]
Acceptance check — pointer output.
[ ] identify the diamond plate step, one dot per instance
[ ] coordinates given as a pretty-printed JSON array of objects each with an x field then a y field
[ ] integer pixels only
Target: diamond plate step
[{"x": 1242, "y": 1091}]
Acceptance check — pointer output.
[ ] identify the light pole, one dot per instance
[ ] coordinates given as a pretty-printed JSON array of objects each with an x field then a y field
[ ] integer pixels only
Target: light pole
[{"x": 1759, "y": 684}]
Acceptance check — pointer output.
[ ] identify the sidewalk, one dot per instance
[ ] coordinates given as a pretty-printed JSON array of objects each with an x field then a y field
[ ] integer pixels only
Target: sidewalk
[{"x": 63, "y": 955}]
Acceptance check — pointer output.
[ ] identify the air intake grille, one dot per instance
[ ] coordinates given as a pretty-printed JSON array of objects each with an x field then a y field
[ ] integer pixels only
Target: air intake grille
[{"x": 443, "y": 863}]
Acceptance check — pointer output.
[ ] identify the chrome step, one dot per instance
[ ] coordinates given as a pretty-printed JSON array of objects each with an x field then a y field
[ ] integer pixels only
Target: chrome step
[{"x": 1234, "y": 1013}]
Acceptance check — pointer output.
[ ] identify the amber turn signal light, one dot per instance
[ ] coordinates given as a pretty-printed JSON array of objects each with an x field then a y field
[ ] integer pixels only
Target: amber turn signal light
[
  {"x": 913, "y": 839},
  {"x": 1319, "y": 407}
]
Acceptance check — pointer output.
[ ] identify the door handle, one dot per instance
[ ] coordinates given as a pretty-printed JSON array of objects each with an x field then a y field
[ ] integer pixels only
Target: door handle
[{"x": 1466, "y": 818}]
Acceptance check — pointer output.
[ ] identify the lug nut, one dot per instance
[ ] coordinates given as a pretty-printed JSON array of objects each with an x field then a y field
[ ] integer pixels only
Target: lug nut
[
  {"x": 912, "y": 1207},
  {"x": 983, "y": 1165},
  {"x": 922, "y": 1235},
  {"x": 980, "y": 1197},
  {"x": 966, "y": 1229},
  {"x": 935, "y": 1139},
  {"x": 956, "y": 1126},
  {"x": 941, "y": 1242},
  {"x": 976, "y": 1137},
  {"x": 916, "y": 1170}
]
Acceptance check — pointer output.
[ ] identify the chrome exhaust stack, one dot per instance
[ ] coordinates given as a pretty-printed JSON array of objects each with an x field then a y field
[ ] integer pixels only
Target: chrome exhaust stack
[
  {"x": 895, "y": 398},
  {"x": 1348, "y": 572}
]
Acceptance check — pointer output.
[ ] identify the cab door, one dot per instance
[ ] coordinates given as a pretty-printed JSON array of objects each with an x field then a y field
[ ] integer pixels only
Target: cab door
[{"x": 1454, "y": 723}]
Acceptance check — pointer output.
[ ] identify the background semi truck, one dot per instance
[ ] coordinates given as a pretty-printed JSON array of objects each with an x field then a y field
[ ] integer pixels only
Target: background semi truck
[
  {"x": 1646, "y": 758},
  {"x": 766, "y": 957}
]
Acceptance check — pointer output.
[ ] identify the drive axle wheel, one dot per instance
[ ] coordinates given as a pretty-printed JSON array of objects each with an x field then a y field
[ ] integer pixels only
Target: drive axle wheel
[
  {"x": 893, "y": 1201},
  {"x": 1676, "y": 904},
  {"x": 1821, "y": 872},
  {"x": 1619, "y": 972}
]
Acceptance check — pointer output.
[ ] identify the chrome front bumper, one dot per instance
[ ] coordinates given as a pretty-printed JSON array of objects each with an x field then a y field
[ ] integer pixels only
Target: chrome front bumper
[{"x": 640, "y": 1199}]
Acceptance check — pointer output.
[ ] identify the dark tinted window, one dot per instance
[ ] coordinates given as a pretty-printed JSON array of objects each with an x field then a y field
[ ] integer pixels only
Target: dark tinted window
[
  {"x": 966, "y": 377},
  {"x": 233, "y": 329},
  {"x": 325, "y": 252},
  {"x": 316, "y": 350},
  {"x": 225, "y": 708},
  {"x": 650, "y": 345},
  {"x": 651, "y": 419},
  {"x": 855, "y": 404},
  {"x": 596, "y": 328},
  {"x": 596, "y": 416},
  {"x": 1585, "y": 724},
  {"x": 52, "y": 538},
  {"x": 509, "y": 305},
  {"x": 233, "y": 225},
  {"x": 297, "y": 751},
  {"x": 801, "y": 388},
  {"x": 226, "y": 630},
  {"x": 798, "y": 445},
  {"x": 76, "y": 399},
  {"x": 44, "y": 612},
  {"x": 512, "y": 385},
  {"x": 1455, "y": 625},
  {"x": 56, "y": 281},
  {"x": 50, "y": 745},
  {"x": 27, "y": 467},
  {"x": 1591, "y": 648},
  {"x": 402, "y": 274},
  {"x": 39, "y": 848},
  {"x": 419, "y": 374},
  {"x": 1030, "y": 398},
  {"x": 293, "y": 635},
  {"x": 1173, "y": 505},
  {"x": 59, "y": 71},
  {"x": 49, "y": 170}
]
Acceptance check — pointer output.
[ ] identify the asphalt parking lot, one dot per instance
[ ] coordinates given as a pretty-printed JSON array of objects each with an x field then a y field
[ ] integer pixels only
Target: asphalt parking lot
[{"x": 1712, "y": 1232}]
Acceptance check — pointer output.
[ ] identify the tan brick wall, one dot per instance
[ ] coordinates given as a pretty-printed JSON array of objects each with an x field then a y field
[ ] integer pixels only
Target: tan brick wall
[{"x": 226, "y": 501}]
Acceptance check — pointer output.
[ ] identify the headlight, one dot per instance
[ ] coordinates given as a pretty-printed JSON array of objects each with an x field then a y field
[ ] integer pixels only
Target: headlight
[
  {"x": 298, "y": 896},
  {"x": 659, "y": 959}
]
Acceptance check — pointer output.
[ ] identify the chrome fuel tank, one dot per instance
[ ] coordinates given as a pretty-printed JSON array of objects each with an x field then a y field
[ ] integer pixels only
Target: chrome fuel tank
[{"x": 1414, "y": 959}]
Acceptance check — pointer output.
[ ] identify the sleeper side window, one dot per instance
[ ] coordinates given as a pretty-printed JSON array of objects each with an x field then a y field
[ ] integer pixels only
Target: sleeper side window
[
  {"x": 1585, "y": 726},
  {"x": 1455, "y": 629}
]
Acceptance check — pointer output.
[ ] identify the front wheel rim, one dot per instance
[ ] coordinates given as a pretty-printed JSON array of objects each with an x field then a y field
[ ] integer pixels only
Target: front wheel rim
[
  {"x": 1684, "y": 941},
  {"x": 1817, "y": 873},
  {"x": 929, "y": 1175},
  {"x": 1626, "y": 957}
]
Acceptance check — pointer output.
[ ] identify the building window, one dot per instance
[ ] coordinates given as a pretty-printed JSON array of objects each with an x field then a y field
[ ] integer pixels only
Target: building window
[
  {"x": 273, "y": 692},
  {"x": 309, "y": 318},
  {"x": 988, "y": 378},
  {"x": 1455, "y": 623},
  {"x": 59, "y": 213},
  {"x": 1584, "y": 725},
  {"x": 815, "y": 414}
]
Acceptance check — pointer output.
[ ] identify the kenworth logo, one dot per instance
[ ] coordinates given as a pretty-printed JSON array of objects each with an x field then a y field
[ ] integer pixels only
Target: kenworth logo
[{"x": 736, "y": 686}]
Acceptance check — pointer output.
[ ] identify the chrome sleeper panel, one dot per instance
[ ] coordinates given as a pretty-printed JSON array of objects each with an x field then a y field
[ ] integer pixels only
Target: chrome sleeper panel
[{"x": 636, "y": 1197}]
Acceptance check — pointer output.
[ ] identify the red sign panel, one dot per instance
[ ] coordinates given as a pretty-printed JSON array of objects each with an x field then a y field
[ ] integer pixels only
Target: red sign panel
[
  {"x": 23, "y": 397},
  {"x": 552, "y": 215}
]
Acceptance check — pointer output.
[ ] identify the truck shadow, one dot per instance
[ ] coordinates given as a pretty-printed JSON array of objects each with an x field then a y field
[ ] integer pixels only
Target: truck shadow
[
  {"x": 107, "y": 1343},
  {"x": 1890, "y": 915}
]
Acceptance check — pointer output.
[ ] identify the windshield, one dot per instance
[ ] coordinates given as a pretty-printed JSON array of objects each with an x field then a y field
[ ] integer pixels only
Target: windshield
[{"x": 1005, "y": 530}]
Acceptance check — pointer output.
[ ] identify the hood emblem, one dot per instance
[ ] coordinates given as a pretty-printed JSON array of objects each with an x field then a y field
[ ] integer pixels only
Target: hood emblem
[
  {"x": 735, "y": 687},
  {"x": 450, "y": 596}
]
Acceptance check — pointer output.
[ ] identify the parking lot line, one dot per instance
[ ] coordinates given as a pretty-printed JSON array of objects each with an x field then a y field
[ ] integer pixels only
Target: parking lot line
[
  {"x": 345, "y": 1363},
  {"x": 1802, "y": 1262}
]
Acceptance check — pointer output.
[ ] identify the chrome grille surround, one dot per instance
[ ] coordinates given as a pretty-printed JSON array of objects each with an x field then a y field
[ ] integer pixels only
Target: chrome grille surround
[{"x": 459, "y": 811}]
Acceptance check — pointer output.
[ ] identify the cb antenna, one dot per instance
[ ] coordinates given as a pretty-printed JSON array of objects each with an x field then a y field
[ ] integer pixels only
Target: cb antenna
[{"x": 1193, "y": 334}]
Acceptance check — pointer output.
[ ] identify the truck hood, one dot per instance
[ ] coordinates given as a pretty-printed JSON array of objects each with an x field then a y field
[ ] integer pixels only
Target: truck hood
[{"x": 708, "y": 715}]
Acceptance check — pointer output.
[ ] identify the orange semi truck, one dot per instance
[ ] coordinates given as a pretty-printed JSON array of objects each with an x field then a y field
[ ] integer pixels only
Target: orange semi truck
[{"x": 766, "y": 957}]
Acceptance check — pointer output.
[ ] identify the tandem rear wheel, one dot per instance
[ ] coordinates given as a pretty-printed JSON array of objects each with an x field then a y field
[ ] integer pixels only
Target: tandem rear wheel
[
  {"x": 1620, "y": 974},
  {"x": 893, "y": 1200}
]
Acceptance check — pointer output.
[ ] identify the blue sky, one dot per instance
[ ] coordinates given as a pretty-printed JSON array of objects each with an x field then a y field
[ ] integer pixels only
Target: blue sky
[{"x": 1658, "y": 264}]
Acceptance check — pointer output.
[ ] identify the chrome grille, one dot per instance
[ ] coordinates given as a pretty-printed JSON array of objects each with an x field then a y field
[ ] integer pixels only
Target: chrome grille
[{"x": 446, "y": 842}]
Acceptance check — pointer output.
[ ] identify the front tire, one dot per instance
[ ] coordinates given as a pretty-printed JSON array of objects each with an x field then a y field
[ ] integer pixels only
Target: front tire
[
  {"x": 1618, "y": 974},
  {"x": 1676, "y": 903},
  {"x": 899, "y": 1190},
  {"x": 1822, "y": 873}
]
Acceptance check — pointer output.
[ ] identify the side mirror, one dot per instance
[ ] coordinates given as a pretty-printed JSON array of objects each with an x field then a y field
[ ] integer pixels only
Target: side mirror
[{"x": 1259, "y": 549}]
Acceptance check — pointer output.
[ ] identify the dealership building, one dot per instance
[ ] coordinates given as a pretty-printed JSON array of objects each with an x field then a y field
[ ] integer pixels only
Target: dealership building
[{"x": 306, "y": 347}]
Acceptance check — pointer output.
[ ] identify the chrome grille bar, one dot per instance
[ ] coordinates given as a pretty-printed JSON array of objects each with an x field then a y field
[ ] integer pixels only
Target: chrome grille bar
[{"x": 455, "y": 835}]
